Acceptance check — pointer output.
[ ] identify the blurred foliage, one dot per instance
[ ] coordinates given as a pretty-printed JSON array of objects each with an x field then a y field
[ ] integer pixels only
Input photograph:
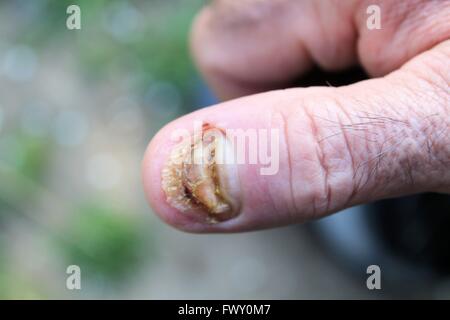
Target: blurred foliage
[
  {"x": 154, "y": 47},
  {"x": 24, "y": 160},
  {"x": 26, "y": 154},
  {"x": 104, "y": 243},
  {"x": 142, "y": 41},
  {"x": 12, "y": 284}
]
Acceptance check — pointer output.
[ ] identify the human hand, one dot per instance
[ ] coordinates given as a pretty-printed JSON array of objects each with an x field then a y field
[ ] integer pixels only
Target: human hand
[{"x": 338, "y": 147}]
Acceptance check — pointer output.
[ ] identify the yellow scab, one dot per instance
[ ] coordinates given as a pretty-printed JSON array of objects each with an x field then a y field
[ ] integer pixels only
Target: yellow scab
[{"x": 202, "y": 186}]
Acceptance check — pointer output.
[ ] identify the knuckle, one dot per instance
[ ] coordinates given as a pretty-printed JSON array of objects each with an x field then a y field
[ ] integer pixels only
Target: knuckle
[
  {"x": 426, "y": 82},
  {"x": 322, "y": 158}
]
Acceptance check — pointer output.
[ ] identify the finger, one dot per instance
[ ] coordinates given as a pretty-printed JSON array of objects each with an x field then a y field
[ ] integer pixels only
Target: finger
[
  {"x": 337, "y": 147},
  {"x": 251, "y": 46}
]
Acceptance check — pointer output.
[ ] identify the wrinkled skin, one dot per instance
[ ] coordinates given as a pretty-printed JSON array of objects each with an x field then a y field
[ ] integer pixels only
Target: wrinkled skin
[{"x": 339, "y": 147}]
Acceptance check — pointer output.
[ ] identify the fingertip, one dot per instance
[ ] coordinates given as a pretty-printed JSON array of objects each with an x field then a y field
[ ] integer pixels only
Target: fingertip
[{"x": 153, "y": 161}]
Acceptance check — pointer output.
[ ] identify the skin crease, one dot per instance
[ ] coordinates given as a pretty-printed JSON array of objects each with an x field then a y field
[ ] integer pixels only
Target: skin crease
[{"x": 339, "y": 147}]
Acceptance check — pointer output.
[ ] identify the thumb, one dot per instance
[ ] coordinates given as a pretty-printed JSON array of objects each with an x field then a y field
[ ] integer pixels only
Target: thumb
[{"x": 326, "y": 149}]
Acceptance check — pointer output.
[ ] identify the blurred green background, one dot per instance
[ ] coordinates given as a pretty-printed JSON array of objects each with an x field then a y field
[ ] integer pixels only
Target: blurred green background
[{"x": 77, "y": 108}]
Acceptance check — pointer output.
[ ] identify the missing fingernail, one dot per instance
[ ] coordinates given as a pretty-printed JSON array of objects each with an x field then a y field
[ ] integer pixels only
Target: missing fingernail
[{"x": 196, "y": 179}]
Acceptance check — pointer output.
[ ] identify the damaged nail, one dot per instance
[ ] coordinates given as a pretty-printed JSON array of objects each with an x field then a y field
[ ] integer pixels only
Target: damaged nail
[{"x": 197, "y": 178}]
